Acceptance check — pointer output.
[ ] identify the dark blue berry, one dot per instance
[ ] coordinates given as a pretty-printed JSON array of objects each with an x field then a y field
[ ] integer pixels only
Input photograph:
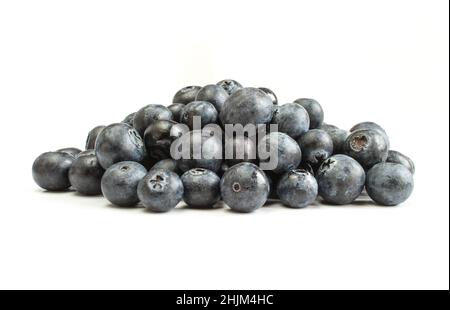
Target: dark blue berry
[
  {"x": 291, "y": 119},
  {"x": 158, "y": 138},
  {"x": 176, "y": 109},
  {"x": 399, "y": 158},
  {"x": 168, "y": 164},
  {"x": 297, "y": 188},
  {"x": 150, "y": 114},
  {"x": 201, "y": 188},
  {"x": 367, "y": 146},
  {"x": 120, "y": 181},
  {"x": 316, "y": 146},
  {"x": 92, "y": 137},
  {"x": 389, "y": 184},
  {"x": 341, "y": 179},
  {"x": 230, "y": 86},
  {"x": 314, "y": 110},
  {"x": 285, "y": 149},
  {"x": 119, "y": 142},
  {"x": 70, "y": 150},
  {"x": 85, "y": 175},
  {"x": 202, "y": 109},
  {"x": 244, "y": 187},
  {"x": 186, "y": 94},
  {"x": 247, "y": 106},
  {"x": 271, "y": 94},
  {"x": 51, "y": 170},
  {"x": 213, "y": 94},
  {"x": 160, "y": 190},
  {"x": 129, "y": 119}
]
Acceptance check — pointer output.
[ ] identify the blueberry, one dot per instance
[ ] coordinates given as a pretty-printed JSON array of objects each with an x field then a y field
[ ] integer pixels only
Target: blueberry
[
  {"x": 367, "y": 125},
  {"x": 70, "y": 150},
  {"x": 247, "y": 106},
  {"x": 244, "y": 150},
  {"x": 371, "y": 126},
  {"x": 399, "y": 158},
  {"x": 297, "y": 188},
  {"x": 92, "y": 136},
  {"x": 119, "y": 142},
  {"x": 340, "y": 179},
  {"x": 327, "y": 127},
  {"x": 85, "y": 175},
  {"x": 230, "y": 86},
  {"x": 367, "y": 146},
  {"x": 160, "y": 190},
  {"x": 213, "y": 94},
  {"x": 316, "y": 146},
  {"x": 271, "y": 94},
  {"x": 203, "y": 109},
  {"x": 150, "y": 114},
  {"x": 338, "y": 136},
  {"x": 244, "y": 187},
  {"x": 389, "y": 184},
  {"x": 209, "y": 149},
  {"x": 287, "y": 152},
  {"x": 85, "y": 152},
  {"x": 291, "y": 119},
  {"x": 176, "y": 109},
  {"x": 186, "y": 94},
  {"x": 201, "y": 188},
  {"x": 51, "y": 170},
  {"x": 120, "y": 181},
  {"x": 129, "y": 119},
  {"x": 157, "y": 139},
  {"x": 314, "y": 110},
  {"x": 168, "y": 164}
]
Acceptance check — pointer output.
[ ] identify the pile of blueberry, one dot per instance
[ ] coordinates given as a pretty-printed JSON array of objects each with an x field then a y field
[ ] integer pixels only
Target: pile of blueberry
[{"x": 130, "y": 162}]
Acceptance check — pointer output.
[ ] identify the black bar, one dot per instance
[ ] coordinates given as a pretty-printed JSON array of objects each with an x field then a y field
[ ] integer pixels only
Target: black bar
[{"x": 209, "y": 299}]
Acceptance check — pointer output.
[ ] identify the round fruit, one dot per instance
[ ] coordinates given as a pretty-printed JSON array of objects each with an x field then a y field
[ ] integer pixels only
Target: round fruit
[
  {"x": 230, "y": 86},
  {"x": 150, "y": 114},
  {"x": 92, "y": 137},
  {"x": 292, "y": 119},
  {"x": 389, "y": 184},
  {"x": 213, "y": 94},
  {"x": 201, "y": 188},
  {"x": 315, "y": 111},
  {"x": 204, "y": 111},
  {"x": 297, "y": 188},
  {"x": 279, "y": 152},
  {"x": 85, "y": 175},
  {"x": 120, "y": 181},
  {"x": 70, "y": 150},
  {"x": 158, "y": 138},
  {"x": 340, "y": 179},
  {"x": 51, "y": 170},
  {"x": 367, "y": 146},
  {"x": 160, "y": 190},
  {"x": 119, "y": 142},
  {"x": 247, "y": 106},
  {"x": 244, "y": 187},
  {"x": 316, "y": 146},
  {"x": 186, "y": 94}
]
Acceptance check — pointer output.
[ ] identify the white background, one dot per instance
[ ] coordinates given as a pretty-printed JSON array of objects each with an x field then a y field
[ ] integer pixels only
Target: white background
[{"x": 67, "y": 66}]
